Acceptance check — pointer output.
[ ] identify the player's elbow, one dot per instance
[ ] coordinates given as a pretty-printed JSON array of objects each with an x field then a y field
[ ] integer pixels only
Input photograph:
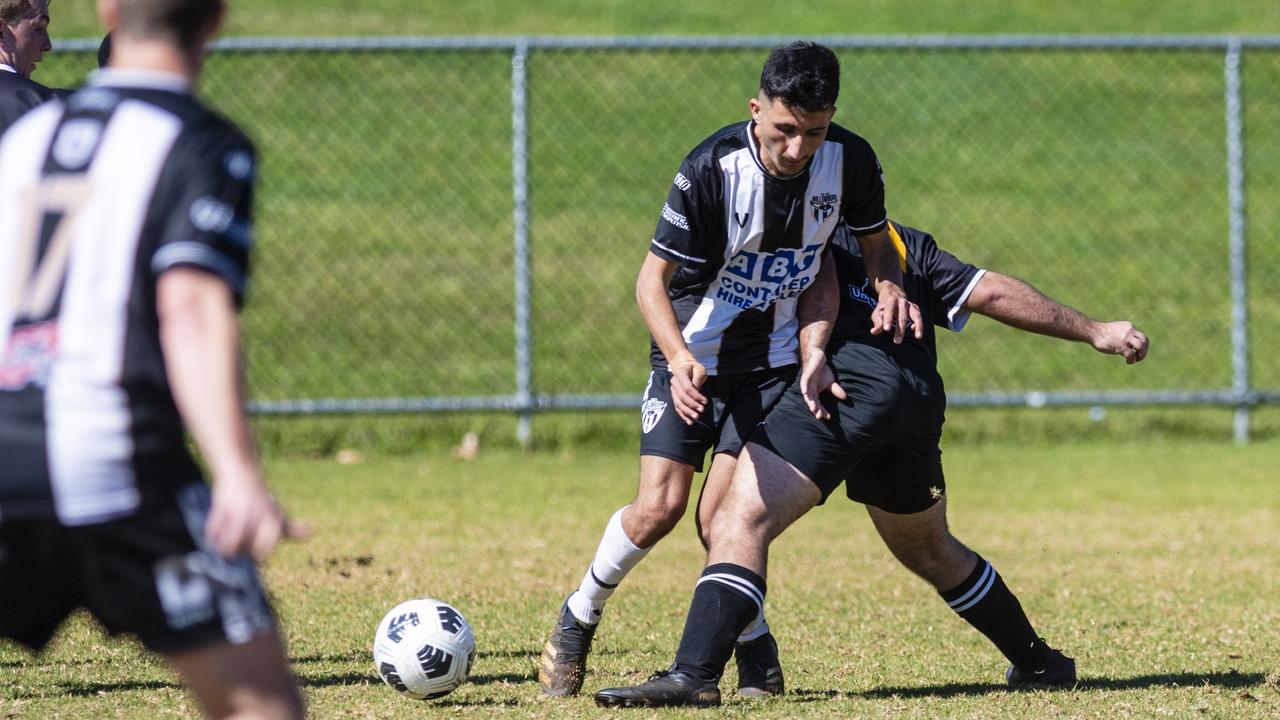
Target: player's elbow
[{"x": 991, "y": 290}]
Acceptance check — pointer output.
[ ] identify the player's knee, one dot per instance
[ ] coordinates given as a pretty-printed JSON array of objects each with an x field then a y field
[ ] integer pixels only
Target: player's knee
[
  {"x": 654, "y": 519},
  {"x": 938, "y": 558}
]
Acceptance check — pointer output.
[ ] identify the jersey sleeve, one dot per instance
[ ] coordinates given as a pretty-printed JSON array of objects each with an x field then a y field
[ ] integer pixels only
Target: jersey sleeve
[
  {"x": 951, "y": 282},
  {"x": 682, "y": 235},
  {"x": 209, "y": 225},
  {"x": 863, "y": 203}
]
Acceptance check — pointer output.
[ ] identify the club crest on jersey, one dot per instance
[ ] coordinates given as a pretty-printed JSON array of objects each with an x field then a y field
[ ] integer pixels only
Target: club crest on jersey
[
  {"x": 823, "y": 205},
  {"x": 651, "y": 413}
]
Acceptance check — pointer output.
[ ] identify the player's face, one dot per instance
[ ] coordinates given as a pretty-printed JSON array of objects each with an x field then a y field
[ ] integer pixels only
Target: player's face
[
  {"x": 28, "y": 39},
  {"x": 788, "y": 137}
]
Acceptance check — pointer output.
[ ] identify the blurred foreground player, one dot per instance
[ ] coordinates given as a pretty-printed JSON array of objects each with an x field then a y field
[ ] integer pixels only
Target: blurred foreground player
[
  {"x": 877, "y": 430},
  {"x": 124, "y": 240}
]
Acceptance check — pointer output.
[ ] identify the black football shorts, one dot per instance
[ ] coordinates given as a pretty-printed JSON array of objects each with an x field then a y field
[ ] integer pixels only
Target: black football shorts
[
  {"x": 882, "y": 442},
  {"x": 736, "y": 404},
  {"x": 148, "y": 575}
]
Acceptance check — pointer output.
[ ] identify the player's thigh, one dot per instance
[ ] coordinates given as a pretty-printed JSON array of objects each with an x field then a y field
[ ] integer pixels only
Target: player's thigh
[
  {"x": 250, "y": 680},
  {"x": 664, "y": 482},
  {"x": 714, "y": 487},
  {"x": 912, "y": 534},
  {"x": 766, "y": 495}
]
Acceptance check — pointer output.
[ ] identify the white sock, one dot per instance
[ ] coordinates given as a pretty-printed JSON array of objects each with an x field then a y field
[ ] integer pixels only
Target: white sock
[
  {"x": 757, "y": 628},
  {"x": 614, "y": 559}
]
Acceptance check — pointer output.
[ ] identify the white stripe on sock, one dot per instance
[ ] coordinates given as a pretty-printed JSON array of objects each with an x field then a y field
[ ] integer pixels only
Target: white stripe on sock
[
  {"x": 964, "y": 598},
  {"x": 981, "y": 594},
  {"x": 743, "y": 586}
]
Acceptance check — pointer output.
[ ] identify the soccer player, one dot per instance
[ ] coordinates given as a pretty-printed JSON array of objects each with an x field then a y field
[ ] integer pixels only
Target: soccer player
[
  {"x": 125, "y": 226},
  {"x": 740, "y": 238},
  {"x": 24, "y": 39},
  {"x": 877, "y": 431}
]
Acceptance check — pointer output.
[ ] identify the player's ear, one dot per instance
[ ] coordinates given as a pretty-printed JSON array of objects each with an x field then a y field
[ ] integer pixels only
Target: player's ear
[{"x": 109, "y": 12}]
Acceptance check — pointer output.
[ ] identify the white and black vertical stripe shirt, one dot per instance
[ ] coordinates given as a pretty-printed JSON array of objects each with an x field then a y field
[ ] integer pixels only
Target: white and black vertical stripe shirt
[
  {"x": 749, "y": 243},
  {"x": 100, "y": 195}
]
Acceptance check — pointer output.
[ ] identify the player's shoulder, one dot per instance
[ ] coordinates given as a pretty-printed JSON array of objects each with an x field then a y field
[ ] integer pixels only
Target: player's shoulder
[
  {"x": 916, "y": 240},
  {"x": 32, "y": 125},
  {"x": 724, "y": 141}
]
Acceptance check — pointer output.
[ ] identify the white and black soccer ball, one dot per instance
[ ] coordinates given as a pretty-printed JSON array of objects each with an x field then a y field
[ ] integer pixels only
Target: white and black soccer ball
[{"x": 424, "y": 649}]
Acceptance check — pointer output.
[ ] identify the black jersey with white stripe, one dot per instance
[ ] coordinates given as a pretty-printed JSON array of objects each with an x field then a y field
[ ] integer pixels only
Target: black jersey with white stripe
[
  {"x": 100, "y": 195},
  {"x": 748, "y": 243},
  {"x": 934, "y": 279}
]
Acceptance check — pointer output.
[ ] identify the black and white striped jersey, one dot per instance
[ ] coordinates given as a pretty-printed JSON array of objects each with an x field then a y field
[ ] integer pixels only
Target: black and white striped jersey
[
  {"x": 933, "y": 279},
  {"x": 99, "y": 195},
  {"x": 748, "y": 243}
]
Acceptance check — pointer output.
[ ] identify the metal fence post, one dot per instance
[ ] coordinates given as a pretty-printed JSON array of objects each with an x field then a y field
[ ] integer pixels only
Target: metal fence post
[
  {"x": 520, "y": 210},
  {"x": 1237, "y": 241}
]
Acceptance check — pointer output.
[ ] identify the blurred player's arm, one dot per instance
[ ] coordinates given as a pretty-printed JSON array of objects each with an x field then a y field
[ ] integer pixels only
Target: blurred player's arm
[
  {"x": 1018, "y": 304},
  {"x": 687, "y": 374},
  {"x": 816, "y": 312},
  {"x": 893, "y": 310},
  {"x": 200, "y": 340}
]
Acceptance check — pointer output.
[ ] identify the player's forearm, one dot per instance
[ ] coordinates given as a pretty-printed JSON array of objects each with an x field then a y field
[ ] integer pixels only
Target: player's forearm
[
  {"x": 817, "y": 309},
  {"x": 1018, "y": 304},
  {"x": 883, "y": 266},
  {"x": 199, "y": 337}
]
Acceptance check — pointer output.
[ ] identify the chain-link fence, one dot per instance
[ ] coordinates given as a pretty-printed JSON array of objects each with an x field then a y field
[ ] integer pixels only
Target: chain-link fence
[{"x": 456, "y": 223}]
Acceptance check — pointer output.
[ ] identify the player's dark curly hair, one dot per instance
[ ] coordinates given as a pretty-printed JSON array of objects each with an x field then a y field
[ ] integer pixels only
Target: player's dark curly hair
[{"x": 803, "y": 75}]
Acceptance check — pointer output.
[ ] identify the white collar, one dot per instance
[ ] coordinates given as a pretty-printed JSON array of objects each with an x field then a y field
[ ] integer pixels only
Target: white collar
[
  {"x": 135, "y": 78},
  {"x": 8, "y": 68}
]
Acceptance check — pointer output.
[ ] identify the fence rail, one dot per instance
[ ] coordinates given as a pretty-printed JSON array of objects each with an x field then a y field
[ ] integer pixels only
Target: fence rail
[{"x": 995, "y": 148}]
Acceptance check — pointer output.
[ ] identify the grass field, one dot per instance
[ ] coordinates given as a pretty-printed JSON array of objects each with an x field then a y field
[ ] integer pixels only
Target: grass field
[
  {"x": 1155, "y": 566},
  {"x": 74, "y": 18}
]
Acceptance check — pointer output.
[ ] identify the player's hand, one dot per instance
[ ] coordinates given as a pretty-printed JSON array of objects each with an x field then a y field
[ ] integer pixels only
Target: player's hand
[
  {"x": 1121, "y": 338},
  {"x": 687, "y": 376},
  {"x": 816, "y": 378},
  {"x": 894, "y": 312},
  {"x": 245, "y": 518}
]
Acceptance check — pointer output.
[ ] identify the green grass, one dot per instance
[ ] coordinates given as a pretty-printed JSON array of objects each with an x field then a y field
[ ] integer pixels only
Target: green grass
[
  {"x": 75, "y": 18},
  {"x": 1154, "y": 565}
]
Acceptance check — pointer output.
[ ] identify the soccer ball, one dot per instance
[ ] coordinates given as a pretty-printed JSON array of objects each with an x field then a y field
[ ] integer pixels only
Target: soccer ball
[{"x": 424, "y": 649}]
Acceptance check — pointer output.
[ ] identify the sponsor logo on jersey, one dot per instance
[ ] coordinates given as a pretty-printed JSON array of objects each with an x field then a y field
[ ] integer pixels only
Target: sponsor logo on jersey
[
  {"x": 682, "y": 182},
  {"x": 29, "y": 356},
  {"x": 651, "y": 413},
  {"x": 215, "y": 216},
  {"x": 674, "y": 217},
  {"x": 93, "y": 99},
  {"x": 823, "y": 205},
  {"x": 754, "y": 280},
  {"x": 76, "y": 142},
  {"x": 860, "y": 294}
]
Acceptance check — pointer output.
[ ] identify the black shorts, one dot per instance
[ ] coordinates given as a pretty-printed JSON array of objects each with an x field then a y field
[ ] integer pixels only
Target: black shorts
[
  {"x": 882, "y": 441},
  {"x": 736, "y": 404},
  {"x": 148, "y": 575}
]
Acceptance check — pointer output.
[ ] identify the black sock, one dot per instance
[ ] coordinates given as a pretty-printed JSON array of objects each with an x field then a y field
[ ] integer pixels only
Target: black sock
[
  {"x": 726, "y": 600},
  {"x": 986, "y": 603}
]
